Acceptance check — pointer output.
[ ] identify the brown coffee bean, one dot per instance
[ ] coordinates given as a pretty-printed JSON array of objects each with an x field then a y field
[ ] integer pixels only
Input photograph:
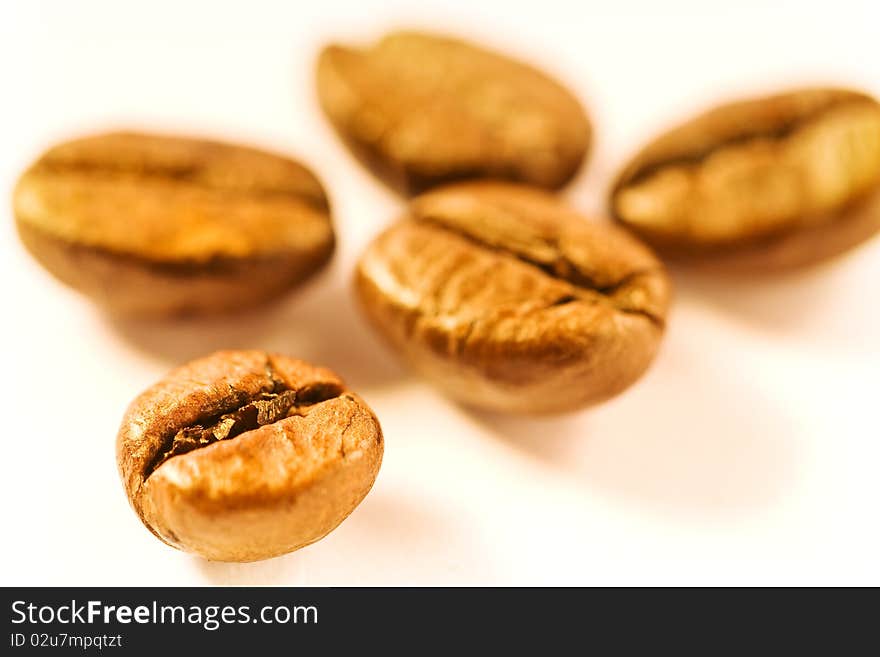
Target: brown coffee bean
[
  {"x": 152, "y": 225},
  {"x": 767, "y": 183},
  {"x": 245, "y": 455},
  {"x": 423, "y": 109},
  {"x": 509, "y": 300}
]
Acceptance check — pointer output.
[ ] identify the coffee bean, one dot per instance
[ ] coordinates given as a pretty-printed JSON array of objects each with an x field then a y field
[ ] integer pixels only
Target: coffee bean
[
  {"x": 153, "y": 225},
  {"x": 245, "y": 455},
  {"x": 772, "y": 182},
  {"x": 509, "y": 300},
  {"x": 423, "y": 109}
]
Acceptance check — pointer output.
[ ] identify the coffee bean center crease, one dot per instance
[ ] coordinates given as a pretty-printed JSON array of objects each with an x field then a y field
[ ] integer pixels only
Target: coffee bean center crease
[
  {"x": 550, "y": 258},
  {"x": 267, "y": 407},
  {"x": 186, "y": 174},
  {"x": 749, "y": 134}
]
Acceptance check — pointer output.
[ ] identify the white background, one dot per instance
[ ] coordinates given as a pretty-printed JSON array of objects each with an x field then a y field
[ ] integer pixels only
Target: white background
[{"x": 748, "y": 454}]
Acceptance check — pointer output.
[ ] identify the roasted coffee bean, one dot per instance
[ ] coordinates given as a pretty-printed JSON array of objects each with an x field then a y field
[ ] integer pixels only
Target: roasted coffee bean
[
  {"x": 245, "y": 455},
  {"x": 151, "y": 225},
  {"x": 773, "y": 182},
  {"x": 508, "y": 300},
  {"x": 423, "y": 109}
]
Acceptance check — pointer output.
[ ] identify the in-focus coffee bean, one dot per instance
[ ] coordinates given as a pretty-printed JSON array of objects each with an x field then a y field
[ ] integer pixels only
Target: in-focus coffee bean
[
  {"x": 508, "y": 300},
  {"x": 245, "y": 455},
  {"x": 156, "y": 225},
  {"x": 423, "y": 109},
  {"x": 773, "y": 182}
]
